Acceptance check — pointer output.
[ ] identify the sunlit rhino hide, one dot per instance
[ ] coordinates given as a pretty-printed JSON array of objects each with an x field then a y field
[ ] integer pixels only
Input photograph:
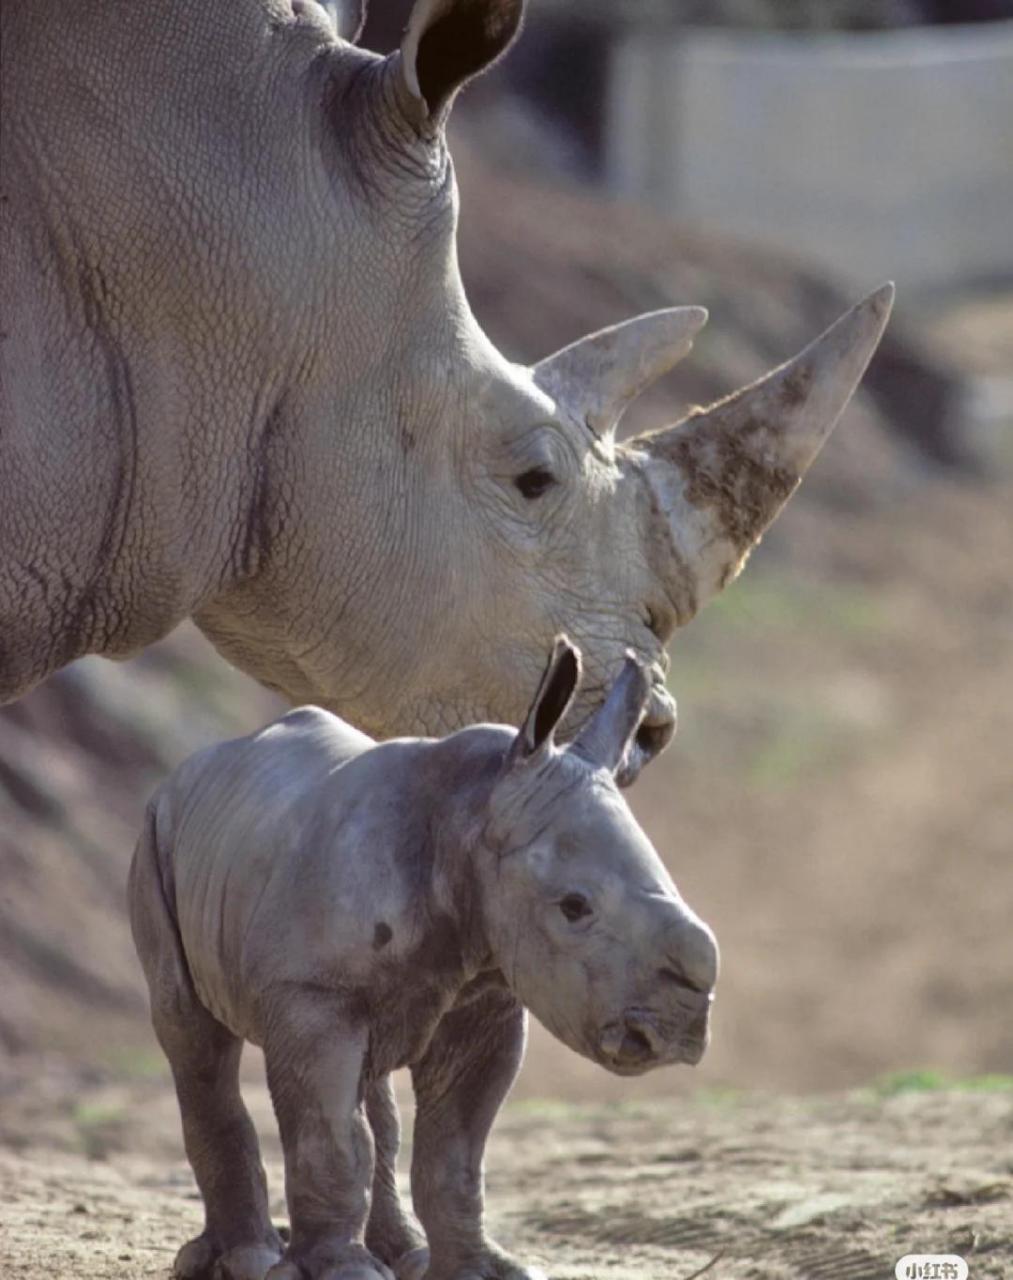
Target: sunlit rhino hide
[{"x": 241, "y": 382}]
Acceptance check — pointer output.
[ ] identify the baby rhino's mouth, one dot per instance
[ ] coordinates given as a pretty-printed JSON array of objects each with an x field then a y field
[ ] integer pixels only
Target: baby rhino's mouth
[
  {"x": 626, "y": 1048},
  {"x": 634, "y": 1043}
]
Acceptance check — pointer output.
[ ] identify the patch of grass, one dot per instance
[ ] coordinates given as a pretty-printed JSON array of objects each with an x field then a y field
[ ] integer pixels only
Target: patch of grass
[
  {"x": 98, "y": 1127},
  {"x": 927, "y": 1081},
  {"x": 720, "y": 1095},
  {"x": 544, "y": 1108},
  {"x": 133, "y": 1063},
  {"x": 791, "y": 750},
  {"x": 550, "y": 1109},
  {"x": 772, "y": 601},
  {"x": 992, "y": 1082},
  {"x": 896, "y": 1082}
]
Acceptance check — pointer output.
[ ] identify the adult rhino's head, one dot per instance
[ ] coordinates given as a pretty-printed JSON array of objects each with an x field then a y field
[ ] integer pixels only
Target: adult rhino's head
[
  {"x": 428, "y": 515},
  {"x": 583, "y": 918}
]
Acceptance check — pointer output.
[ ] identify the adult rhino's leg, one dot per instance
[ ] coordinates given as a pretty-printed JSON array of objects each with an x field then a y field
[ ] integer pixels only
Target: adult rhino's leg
[
  {"x": 315, "y": 1056},
  {"x": 460, "y": 1085},
  {"x": 390, "y": 1232},
  {"x": 238, "y": 1241}
]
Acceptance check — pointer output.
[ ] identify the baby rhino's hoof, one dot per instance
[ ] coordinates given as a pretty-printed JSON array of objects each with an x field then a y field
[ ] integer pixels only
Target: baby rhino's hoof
[
  {"x": 195, "y": 1260},
  {"x": 358, "y": 1265},
  {"x": 500, "y": 1266},
  {"x": 249, "y": 1262},
  {"x": 201, "y": 1260},
  {"x": 515, "y": 1273},
  {"x": 413, "y": 1265}
]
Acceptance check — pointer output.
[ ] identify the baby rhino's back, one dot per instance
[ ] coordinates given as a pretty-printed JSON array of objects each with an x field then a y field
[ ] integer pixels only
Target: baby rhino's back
[{"x": 244, "y": 829}]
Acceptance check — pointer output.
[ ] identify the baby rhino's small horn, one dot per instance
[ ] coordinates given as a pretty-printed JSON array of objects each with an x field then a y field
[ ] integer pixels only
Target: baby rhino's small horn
[{"x": 605, "y": 738}]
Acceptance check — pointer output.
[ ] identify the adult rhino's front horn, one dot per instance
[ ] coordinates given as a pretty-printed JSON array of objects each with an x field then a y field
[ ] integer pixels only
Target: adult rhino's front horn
[{"x": 721, "y": 475}]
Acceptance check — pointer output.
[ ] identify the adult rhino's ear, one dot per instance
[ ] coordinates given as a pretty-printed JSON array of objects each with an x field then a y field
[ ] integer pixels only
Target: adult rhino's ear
[
  {"x": 551, "y": 702},
  {"x": 607, "y": 737},
  {"x": 347, "y": 17},
  {"x": 447, "y": 42}
]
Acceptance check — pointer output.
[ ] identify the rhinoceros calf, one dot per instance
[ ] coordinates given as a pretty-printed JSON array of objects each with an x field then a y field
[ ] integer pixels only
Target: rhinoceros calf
[{"x": 355, "y": 908}]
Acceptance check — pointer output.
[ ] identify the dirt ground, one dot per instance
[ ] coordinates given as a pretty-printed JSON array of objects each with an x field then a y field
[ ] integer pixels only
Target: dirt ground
[{"x": 94, "y": 1185}]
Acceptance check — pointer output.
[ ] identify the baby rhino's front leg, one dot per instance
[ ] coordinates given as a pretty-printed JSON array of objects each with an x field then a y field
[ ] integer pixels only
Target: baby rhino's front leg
[
  {"x": 460, "y": 1085},
  {"x": 314, "y": 1057}
]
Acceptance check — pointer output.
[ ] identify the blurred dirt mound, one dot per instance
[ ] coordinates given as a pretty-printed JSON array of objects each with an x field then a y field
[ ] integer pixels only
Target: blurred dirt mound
[
  {"x": 544, "y": 265},
  {"x": 78, "y": 758},
  {"x": 839, "y": 801}
]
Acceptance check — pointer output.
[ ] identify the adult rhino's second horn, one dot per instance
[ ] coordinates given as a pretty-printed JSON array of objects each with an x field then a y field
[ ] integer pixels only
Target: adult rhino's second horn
[
  {"x": 598, "y": 376},
  {"x": 722, "y": 474}
]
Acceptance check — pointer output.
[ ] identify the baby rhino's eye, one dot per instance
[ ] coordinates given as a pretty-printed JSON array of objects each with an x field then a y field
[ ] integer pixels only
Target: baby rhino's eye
[{"x": 575, "y": 907}]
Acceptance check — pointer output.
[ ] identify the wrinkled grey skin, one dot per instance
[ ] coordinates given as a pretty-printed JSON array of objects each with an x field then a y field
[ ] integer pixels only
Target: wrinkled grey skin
[
  {"x": 356, "y": 908},
  {"x": 241, "y": 383}
]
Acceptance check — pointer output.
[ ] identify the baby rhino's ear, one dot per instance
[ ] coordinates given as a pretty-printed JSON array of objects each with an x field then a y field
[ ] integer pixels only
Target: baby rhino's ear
[{"x": 551, "y": 702}]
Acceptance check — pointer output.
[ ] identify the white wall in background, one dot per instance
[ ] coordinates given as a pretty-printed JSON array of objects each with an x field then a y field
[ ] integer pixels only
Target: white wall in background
[{"x": 881, "y": 154}]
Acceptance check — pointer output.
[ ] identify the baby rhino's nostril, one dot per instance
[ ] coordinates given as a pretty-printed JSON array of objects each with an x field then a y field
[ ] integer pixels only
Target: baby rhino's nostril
[{"x": 635, "y": 1044}]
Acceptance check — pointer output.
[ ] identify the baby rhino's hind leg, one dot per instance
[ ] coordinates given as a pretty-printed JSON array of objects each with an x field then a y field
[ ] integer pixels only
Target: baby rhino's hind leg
[
  {"x": 390, "y": 1232},
  {"x": 238, "y": 1241}
]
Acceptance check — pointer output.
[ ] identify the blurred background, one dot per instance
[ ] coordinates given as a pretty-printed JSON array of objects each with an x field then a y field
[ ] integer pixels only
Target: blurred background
[{"x": 839, "y": 800}]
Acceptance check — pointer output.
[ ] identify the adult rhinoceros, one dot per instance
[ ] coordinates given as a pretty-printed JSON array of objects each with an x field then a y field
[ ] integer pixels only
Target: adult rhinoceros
[{"x": 241, "y": 382}]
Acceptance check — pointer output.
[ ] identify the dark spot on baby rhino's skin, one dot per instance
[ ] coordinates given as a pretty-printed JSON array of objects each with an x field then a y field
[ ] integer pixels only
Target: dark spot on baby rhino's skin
[{"x": 382, "y": 934}]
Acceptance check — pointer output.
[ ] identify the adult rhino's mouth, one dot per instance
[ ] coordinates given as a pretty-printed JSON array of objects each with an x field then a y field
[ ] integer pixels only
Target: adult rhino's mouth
[{"x": 656, "y": 731}]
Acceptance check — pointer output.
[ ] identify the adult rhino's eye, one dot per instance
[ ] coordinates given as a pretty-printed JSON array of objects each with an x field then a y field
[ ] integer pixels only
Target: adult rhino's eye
[
  {"x": 533, "y": 483},
  {"x": 575, "y": 907}
]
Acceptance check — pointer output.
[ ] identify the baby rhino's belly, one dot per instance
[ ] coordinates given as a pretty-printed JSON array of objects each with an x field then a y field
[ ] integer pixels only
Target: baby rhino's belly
[{"x": 404, "y": 1017}]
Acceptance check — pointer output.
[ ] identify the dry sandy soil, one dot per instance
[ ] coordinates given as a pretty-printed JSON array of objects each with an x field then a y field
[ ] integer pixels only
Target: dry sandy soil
[{"x": 94, "y": 1184}]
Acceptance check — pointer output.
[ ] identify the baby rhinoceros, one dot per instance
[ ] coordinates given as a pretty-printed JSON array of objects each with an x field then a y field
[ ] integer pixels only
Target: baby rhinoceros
[{"x": 354, "y": 908}]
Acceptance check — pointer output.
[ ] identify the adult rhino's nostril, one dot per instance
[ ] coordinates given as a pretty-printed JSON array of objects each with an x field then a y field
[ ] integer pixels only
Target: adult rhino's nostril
[
  {"x": 657, "y": 728},
  {"x": 654, "y": 733},
  {"x": 652, "y": 739}
]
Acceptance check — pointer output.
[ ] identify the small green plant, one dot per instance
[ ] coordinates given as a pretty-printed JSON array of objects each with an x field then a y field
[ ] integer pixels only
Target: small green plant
[
  {"x": 926, "y": 1081},
  {"x": 792, "y": 750},
  {"x": 98, "y": 1127},
  {"x": 772, "y": 601},
  {"x": 720, "y": 1095},
  {"x": 132, "y": 1062}
]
